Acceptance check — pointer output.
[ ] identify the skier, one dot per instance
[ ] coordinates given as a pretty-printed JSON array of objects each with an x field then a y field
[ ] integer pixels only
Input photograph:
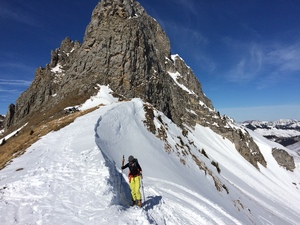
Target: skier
[{"x": 134, "y": 176}]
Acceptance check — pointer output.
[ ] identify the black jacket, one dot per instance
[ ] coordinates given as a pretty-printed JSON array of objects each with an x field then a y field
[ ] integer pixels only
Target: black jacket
[{"x": 134, "y": 168}]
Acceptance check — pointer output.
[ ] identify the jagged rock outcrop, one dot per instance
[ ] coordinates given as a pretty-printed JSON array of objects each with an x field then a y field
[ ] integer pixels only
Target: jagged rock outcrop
[
  {"x": 126, "y": 49},
  {"x": 2, "y": 118},
  {"x": 284, "y": 159},
  {"x": 9, "y": 116}
]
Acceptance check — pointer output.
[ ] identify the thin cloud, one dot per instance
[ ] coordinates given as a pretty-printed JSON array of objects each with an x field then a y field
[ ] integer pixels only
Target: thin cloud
[
  {"x": 8, "y": 91},
  {"x": 206, "y": 63},
  {"x": 16, "y": 65},
  {"x": 193, "y": 35},
  {"x": 285, "y": 59},
  {"x": 251, "y": 31},
  {"x": 282, "y": 65},
  {"x": 17, "y": 15},
  {"x": 184, "y": 31},
  {"x": 199, "y": 40},
  {"x": 248, "y": 66},
  {"x": 267, "y": 64},
  {"x": 189, "y": 5},
  {"x": 14, "y": 82}
]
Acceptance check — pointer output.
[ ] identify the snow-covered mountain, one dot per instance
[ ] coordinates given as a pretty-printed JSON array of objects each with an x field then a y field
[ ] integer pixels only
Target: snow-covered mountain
[
  {"x": 126, "y": 49},
  {"x": 283, "y": 124},
  {"x": 199, "y": 167},
  {"x": 285, "y": 132},
  {"x": 73, "y": 175}
]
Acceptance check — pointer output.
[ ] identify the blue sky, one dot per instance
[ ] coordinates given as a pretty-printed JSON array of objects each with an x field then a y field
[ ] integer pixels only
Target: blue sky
[{"x": 246, "y": 54}]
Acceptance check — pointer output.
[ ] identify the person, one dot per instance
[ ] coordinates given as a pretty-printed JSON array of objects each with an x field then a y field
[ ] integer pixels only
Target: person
[{"x": 134, "y": 176}]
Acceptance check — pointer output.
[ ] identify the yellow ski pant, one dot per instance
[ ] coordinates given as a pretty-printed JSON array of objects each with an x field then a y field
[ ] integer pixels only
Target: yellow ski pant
[{"x": 135, "y": 184}]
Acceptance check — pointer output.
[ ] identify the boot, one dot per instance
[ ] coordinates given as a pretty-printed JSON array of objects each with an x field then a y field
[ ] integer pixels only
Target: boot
[
  {"x": 139, "y": 203},
  {"x": 133, "y": 203}
]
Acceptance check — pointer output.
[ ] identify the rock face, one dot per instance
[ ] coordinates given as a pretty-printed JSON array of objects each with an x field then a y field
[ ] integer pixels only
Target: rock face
[
  {"x": 9, "y": 116},
  {"x": 2, "y": 118},
  {"x": 126, "y": 49},
  {"x": 284, "y": 159}
]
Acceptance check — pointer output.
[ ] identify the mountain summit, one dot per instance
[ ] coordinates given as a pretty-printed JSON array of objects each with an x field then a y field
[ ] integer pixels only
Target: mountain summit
[
  {"x": 128, "y": 50},
  {"x": 123, "y": 47}
]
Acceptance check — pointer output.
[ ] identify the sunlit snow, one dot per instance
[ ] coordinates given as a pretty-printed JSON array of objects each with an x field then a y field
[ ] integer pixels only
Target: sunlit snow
[
  {"x": 73, "y": 176},
  {"x": 12, "y": 133},
  {"x": 57, "y": 69},
  {"x": 175, "y": 77}
]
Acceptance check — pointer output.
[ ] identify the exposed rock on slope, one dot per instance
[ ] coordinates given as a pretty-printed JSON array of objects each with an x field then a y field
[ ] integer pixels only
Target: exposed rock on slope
[
  {"x": 284, "y": 159},
  {"x": 126, "y": 49},
  {"x": 1, "y": 122}
]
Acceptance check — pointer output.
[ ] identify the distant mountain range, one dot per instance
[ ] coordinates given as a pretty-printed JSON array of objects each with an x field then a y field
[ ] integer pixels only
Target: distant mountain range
[{"x": 285, "y": 132}]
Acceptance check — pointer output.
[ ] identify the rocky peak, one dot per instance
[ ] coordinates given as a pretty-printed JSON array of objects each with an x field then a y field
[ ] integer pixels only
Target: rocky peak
[
  {"x": 121, "y": 8},
  {"x": 128, "y": 50},
  {"x": 61, "y": 54}
]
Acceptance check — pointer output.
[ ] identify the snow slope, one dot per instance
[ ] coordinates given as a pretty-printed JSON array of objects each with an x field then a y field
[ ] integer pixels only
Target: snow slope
[{"x": 73, "y": 176}]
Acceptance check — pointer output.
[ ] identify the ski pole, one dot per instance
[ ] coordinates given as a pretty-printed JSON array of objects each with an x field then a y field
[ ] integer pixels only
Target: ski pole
[
  {"x": 143, "y": 190},
  {"x": 123, "y": 160},
  {"x": 122, "y": 174}
]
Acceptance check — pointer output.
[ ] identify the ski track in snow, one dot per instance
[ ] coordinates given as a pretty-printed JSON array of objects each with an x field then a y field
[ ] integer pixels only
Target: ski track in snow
[{"x": 186, "y": 206}]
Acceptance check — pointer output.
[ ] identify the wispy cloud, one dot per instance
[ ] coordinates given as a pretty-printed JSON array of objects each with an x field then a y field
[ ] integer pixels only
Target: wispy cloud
[
  {"x": 286, "y": 58},
  {"x": 281, "y": 65},
  {"x": 17, "y": 15},
  {"x": 188, "y": 33},
  {"x": 205, "y": 62},
  {"x": 249, "y": 62},
  {"x": 14, "y": 82},
  {"x": 17, "y": 65},
  {"x": 188, "y": 5},
  {"x": 199, "y": 40},
  {"x": 9, "y": 91},
  {"x": 251, "y": 31},
  {"x": 266, "y": 64}
]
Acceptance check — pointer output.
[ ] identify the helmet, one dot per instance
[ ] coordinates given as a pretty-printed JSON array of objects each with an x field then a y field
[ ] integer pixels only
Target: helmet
[{"x": 130, "y": 158}]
